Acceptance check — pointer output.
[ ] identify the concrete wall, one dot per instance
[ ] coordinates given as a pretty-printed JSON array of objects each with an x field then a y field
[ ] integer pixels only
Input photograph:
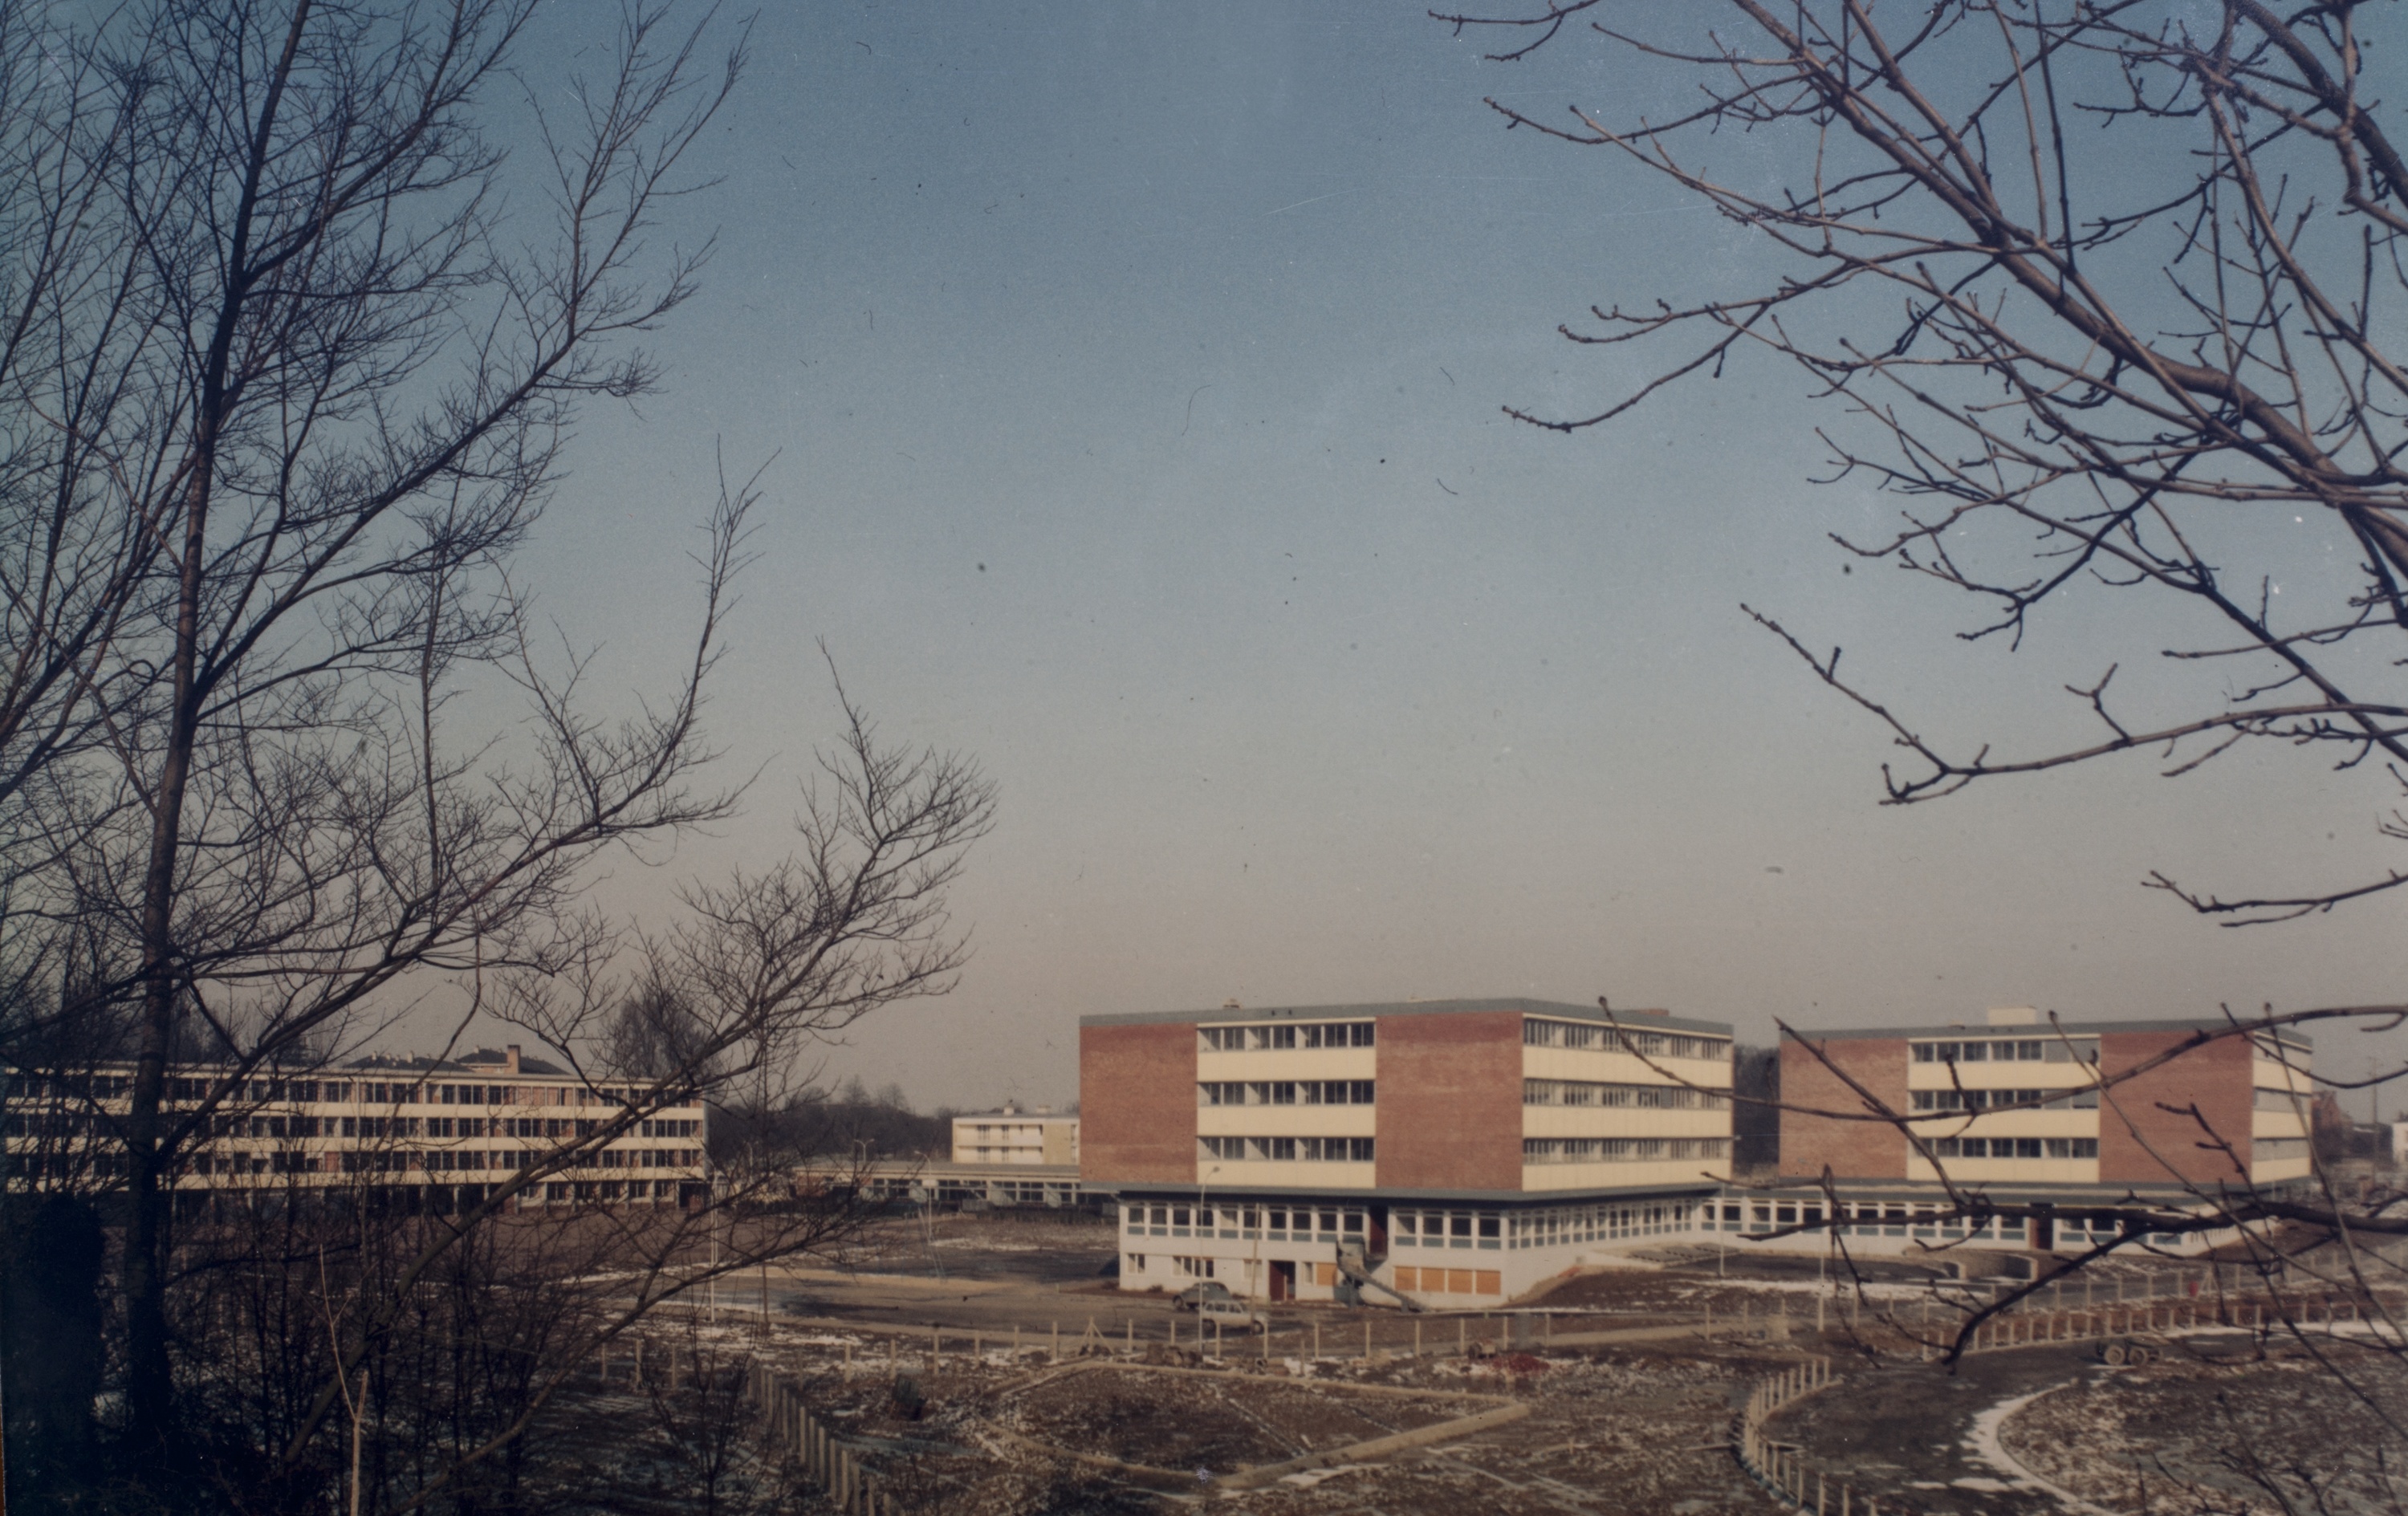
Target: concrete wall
[
  {"x": 1851, "y": 1150},
  {"x": 2143, "y": 1143},
  {"x": 1137, "y": 1103},
  {"x": 1449, "y": 1105}
]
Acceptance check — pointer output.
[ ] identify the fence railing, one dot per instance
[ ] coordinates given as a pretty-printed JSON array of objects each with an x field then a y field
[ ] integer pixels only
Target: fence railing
[
  {"x": 1781, "y": 1467},
  {"x": 787, "y": 1424},
  {"x": 2020, "y": 1329}
]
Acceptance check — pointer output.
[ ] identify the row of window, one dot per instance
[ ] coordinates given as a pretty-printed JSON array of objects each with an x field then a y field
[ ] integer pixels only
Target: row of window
[
  {"x": 2085, "y": 1099},
  {"x": 1446, "y": 1228},
  {"x": 280, "y": 1127},
  {"x": 1286, "y": 1034},
  {"x": 1637, "y": 1096},
  {"x": 2051, "y": 1049},
  {"x": 2281, "y": 1100},
  {"x": 440, "y": 1159},
  {"x": 1565, "y": 1225},
  {"x": 1243, "y": 1221},
  {"x": 1285, "y": 1092},
  {"x": 1620, "y": 1150},
  {"x": 2015, "y": 1147},
  {"x": 1898, "y": 1219},
  {"x": 1254, "y": 1149},
  {"x": 1545, "y": 1034},
  {"x": 190, "y": 1088}
]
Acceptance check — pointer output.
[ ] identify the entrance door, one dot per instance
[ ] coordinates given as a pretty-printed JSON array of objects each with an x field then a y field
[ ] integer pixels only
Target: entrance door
[
  {"x": 1282, "y": 1278},
  {"x": 2043, "y": 1229}
]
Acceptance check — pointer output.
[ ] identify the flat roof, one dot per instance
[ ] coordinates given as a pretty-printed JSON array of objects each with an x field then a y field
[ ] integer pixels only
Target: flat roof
[
  {"x": 1984, "y": 1032},
  {"x": 1552, "y": 1010},
  {"x": 1701, "y": 1187}
]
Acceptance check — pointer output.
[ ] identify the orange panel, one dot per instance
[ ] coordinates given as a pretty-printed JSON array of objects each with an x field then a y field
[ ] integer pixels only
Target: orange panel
[
  {"x": 1408, "y": 1277},
  {"x": 1491, "y": 1282},
  {"x": 1458, "y": 1281}
]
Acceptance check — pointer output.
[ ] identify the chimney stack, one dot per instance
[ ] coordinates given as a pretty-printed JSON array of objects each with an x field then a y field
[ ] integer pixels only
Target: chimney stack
[{"x": 510, "y": 1057}]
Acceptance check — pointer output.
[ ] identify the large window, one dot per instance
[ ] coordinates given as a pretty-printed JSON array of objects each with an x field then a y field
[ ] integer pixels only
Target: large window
[
  {"x": 2049, "y": 1049},
  {"x": 1620, "y": 1150},
  {"x": 1639, "y": 1096},
  {"x": 1285, "y": 1092},
  {"x": 2015, "y": 1148},
  {"x": 1273, "y": 1037},
  {"x": 1281, "y": 1150},
  {"x": 1946, "y": 1100},
  {"x": 1538, "y": 1033}
]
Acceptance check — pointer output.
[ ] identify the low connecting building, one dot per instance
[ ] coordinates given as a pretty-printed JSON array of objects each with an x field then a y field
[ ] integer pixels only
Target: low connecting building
[
  {"x": 425, "y": 1133},
  {"x": 2059, "y": 1128},
  {"x": 1453, "y": 1152}
]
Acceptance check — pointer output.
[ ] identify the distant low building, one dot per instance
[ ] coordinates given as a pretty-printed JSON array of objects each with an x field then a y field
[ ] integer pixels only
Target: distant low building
[
  {"x": 1014, "y": 1135},
  {"x": 433, "y": 1134}
]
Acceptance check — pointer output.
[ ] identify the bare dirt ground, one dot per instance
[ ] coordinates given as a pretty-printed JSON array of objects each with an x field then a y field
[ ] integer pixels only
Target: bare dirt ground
[
  {"x": 1607, "y": 1433},
  {"x": 2226, "y": 1432},
  {"x": 1629, "y": 1403}
]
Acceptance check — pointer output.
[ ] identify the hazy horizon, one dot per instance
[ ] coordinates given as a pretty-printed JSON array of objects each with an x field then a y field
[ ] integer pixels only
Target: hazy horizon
[{"x": 1133, "y": 381}]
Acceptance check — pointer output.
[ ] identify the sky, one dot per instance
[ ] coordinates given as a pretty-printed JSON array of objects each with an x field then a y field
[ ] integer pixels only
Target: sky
[{"x": 1128, "y": 382}]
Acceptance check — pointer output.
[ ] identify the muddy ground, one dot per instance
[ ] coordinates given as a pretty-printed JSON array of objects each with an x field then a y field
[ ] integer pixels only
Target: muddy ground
[{"x": 1631, "y": 1405}]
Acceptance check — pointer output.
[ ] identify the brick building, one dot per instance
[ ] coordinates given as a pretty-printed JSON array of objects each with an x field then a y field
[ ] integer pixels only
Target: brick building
[
  {"x": 1449, "y": 1151},
  {"x": 432, "y": 1134},
  {"x": 2025, "y": 1114}
]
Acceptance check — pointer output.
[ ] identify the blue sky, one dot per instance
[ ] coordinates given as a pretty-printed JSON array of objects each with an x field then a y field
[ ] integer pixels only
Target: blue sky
[{"x": 1133, "y": 376}]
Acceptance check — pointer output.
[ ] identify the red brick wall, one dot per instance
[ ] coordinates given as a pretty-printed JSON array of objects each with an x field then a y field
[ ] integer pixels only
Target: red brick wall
[
  {"x": 2140, "y": 1142},
  {"x": 1449, "y": 1105},
  {"x": 1136, "y": 1102},
  {"x": 1852, "y": 1149}
]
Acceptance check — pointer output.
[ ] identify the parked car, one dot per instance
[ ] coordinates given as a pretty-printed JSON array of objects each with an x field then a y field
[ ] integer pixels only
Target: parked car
[
  {"x": 1199, "y": 1292},
  {"x": 1232, "y": 1316}
]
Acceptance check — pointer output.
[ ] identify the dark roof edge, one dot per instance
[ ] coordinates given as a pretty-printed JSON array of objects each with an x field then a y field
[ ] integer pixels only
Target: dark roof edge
[
  {"x": 1549, "y": 1010},
  {"x": 1697, "y": 1189},
  {"x": 1962, "y": 1032}
]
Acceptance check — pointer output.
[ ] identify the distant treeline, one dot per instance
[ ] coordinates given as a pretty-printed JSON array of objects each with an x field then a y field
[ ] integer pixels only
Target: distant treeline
[{"x": 842, "y": 1121}]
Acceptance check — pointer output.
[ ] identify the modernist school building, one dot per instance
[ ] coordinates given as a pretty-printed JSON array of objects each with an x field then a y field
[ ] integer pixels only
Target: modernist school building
[
  {"x": 2053, "y": 1125},
  {"x": 1455, "y": 1152}
]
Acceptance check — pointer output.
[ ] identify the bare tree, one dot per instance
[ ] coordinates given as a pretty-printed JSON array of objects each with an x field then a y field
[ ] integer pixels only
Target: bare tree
[
  {"x": 2105, "y": 293},
  {"x": 292, "y": 349},
  {"x": 2108, "y": 293}
]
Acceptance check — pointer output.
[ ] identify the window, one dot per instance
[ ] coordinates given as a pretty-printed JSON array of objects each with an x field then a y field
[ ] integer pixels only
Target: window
[
  {"x": 1637, "y": 1096},
  {"x": 1621, "y": 1149},
  {"x": 1136, "y": 1264},
  {"x": 1224, "y": 1149},
  {"x": 1193, "y": 1268},
  {"x": 1545, "y": 1034},
  {"x": 2283, "y": 1100}
]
